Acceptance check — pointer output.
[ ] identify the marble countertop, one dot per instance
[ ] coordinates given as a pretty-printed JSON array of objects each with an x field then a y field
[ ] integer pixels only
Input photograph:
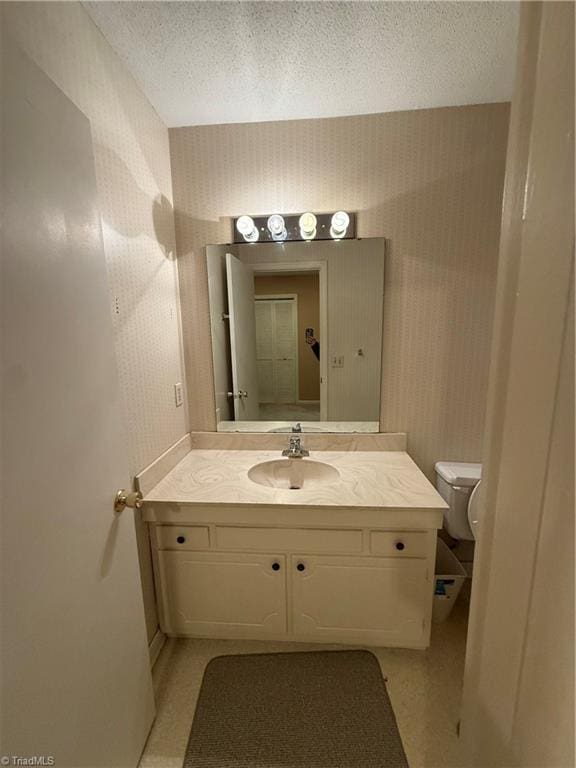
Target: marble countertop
[{"x": 368, "y": 479}]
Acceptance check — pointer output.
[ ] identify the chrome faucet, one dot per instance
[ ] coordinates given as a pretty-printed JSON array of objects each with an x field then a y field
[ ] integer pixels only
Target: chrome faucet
[
  {"x": 297, "y": 427},
  {"x": 295, "y": 450}
]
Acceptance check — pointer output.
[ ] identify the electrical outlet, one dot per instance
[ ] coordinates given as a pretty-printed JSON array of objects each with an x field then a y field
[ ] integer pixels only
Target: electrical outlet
[{"x": 178, "y": 394}]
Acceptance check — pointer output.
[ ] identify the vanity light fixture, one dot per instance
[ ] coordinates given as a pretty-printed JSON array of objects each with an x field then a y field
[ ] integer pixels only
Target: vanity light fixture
[
  {"x": 339, "y": 225},
  {"x": 277, "y": 227},
  {"x": 305, "y": 226},
  {"x": 307, "y": 223},
  {"x": 249, "y": 231}
]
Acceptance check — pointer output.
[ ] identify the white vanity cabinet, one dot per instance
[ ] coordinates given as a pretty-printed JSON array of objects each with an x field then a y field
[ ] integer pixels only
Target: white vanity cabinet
[
  {"x": 364, "y": 585},
  {"x": 220, "y": 594},
  {"x": 369, "y": 600}
]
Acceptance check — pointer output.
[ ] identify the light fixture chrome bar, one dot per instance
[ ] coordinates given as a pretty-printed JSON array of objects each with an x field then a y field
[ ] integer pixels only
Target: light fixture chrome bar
[{"x": 257, "y": 228}]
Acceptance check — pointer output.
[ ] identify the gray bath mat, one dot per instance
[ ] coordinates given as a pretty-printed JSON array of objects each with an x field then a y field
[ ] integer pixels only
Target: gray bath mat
[{"x": 327, "y": 709}]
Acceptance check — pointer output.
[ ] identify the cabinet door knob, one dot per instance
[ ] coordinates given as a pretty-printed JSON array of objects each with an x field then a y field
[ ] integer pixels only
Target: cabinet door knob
[
  {"x": 275, "y": 566},
  {"x": 181, "y": 539},
  {"x": 400, "y": 545},
  {"x": 301, "y": 567}
]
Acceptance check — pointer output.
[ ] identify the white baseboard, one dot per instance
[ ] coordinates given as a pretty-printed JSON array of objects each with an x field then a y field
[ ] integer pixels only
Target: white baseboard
[{"x": 156, "y": 646}]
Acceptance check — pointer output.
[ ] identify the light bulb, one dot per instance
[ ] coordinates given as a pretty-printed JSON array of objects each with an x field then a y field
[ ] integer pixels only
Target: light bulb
[
  {"x": 277, "y": 227},
  {"x": 307, "y": 224},
  {"x": 249, "y": 231},
  {"x": 339, "y": 224}
]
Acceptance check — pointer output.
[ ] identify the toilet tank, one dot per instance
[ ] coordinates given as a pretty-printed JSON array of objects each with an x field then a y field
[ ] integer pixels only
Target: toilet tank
[{"x": 455, "y": 481}]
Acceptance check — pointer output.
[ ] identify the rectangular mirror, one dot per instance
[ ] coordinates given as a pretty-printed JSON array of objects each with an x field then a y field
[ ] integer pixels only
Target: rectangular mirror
[{"x": 297, "y": 335}]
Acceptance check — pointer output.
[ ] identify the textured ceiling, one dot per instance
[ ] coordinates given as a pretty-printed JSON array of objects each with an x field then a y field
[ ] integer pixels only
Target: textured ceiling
[{"x": 233, "y": 62}]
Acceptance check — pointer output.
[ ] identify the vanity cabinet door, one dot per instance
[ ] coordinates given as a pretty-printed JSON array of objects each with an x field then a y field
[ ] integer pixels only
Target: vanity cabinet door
[
  {"x": 215, "y": 594},
  {"x": 373, "y": 600}
]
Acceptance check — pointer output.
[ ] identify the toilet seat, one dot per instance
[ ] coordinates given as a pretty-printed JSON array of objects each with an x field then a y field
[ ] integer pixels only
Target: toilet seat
[{"x": 474, "y": 508}]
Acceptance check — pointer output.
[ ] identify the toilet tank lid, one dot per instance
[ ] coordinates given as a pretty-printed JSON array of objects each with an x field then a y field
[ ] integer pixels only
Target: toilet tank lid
[{"x": 459, "y": 473}]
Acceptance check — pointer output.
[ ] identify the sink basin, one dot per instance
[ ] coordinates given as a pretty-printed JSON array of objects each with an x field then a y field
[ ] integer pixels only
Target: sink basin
[{"x": 294, "y": 474}]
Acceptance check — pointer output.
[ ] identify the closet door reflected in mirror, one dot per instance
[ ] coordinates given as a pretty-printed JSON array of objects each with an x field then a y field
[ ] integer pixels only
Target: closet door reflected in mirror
[
  {"x": 296, "y": 332},
  {"x": 276, "y": 350}
]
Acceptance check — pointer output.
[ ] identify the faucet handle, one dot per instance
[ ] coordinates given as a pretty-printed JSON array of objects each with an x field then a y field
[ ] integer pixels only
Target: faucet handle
[{"x": 297, "y": 427}]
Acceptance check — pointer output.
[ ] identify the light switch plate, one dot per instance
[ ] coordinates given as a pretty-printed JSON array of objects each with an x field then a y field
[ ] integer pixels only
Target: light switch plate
[
  {"x": 337, "y": 361},
  {"x": 178, "y": 394}
]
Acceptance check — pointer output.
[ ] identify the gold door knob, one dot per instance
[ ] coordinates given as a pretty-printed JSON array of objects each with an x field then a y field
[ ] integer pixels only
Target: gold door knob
[{"x": 132, "y": 499}]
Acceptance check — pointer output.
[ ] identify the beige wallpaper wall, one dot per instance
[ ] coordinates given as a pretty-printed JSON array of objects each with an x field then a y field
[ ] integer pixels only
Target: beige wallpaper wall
[
  {"x": 135, "y": 191},
  {"x": 430, "y": 181}
]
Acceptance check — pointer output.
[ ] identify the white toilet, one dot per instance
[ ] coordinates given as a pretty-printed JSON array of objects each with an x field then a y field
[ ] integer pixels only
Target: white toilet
[{"x": 458, "y": 483}]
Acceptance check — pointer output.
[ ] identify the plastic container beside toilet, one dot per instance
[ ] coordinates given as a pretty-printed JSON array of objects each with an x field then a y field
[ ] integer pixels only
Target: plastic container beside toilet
[{"x": 450, "y": 577}]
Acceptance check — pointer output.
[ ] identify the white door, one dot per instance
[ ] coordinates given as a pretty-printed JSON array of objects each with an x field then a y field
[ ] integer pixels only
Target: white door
[
  {"x": 277, "y": 350},
  {"x": 240, "y": 279},
  {"x": 214, "y": 594},
  {"x": 518, "y": 697},
  {"x": 75, "y": 667},
  {"x": 365, "y": 599}
]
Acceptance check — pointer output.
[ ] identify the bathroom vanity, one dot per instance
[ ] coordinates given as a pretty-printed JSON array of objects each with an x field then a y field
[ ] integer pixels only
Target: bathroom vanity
[{"x": 338, "y": 547}]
